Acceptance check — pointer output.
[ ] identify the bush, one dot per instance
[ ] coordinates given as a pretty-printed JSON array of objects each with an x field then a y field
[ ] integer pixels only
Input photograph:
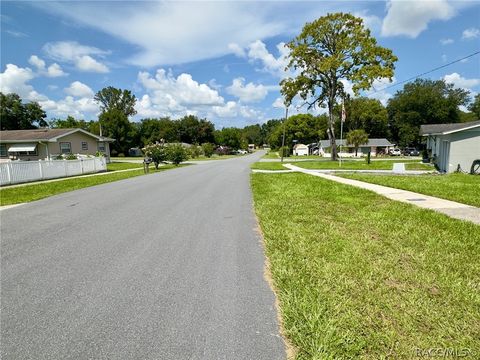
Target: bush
[
  {"x": 223, "y": 150},
  {"x": 176, "y": 153},
  {"x": 70, "y": 157},
  {"x": 285, "y": 150},
  {"x": 195, "y": 151},
  {"x": 208, "y": 149},
  {"x": 157, "y": 152}
]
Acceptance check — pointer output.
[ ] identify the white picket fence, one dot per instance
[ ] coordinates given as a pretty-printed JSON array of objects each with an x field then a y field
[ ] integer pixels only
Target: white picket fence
[{"x": 15, "y": 172}]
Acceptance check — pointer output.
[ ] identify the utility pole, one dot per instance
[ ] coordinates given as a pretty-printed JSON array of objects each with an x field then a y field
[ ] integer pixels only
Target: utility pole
[{"x": 283, "y": 137}]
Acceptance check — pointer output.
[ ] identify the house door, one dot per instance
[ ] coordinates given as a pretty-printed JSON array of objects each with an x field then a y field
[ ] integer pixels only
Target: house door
[{"x": 444, "y": 155}]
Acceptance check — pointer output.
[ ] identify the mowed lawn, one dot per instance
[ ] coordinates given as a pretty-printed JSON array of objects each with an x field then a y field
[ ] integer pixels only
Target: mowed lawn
[
  {"x": 359, "y": 276},
  {"x": 463, "y": 188},
  {"x": 273, "y": 165},
  {"x": 361, "y": 165},
  {"x": 32, "y": 192}
]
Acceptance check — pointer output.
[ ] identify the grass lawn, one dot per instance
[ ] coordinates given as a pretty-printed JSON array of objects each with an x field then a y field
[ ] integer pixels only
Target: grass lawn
[
  {"x": 27, "y": 193},
  {"x": 463, "y": 188},
  {"x": 271, "y": 155},
  {"x": 359, "y": 276},
  {"x": 362, "y": 165},
  {"x": 115, "y": 166},
  {"x": 268, "y": 166}
]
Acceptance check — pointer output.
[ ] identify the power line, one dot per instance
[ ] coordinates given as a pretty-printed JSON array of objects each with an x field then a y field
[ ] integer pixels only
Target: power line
[{"x": 425, "y": 73}]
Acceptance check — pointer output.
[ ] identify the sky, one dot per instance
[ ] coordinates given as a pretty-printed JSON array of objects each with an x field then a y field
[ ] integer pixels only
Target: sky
[{"x": 220, "y": 60}]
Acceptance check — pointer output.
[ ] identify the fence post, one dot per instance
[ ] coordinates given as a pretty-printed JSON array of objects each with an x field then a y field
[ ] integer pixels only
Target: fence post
[
  {"x": 65, "y": 167},
  {"x": 9, "y": 174},
  {"x": 81, "y": 165},
  {"x": 41, "y": 168}
]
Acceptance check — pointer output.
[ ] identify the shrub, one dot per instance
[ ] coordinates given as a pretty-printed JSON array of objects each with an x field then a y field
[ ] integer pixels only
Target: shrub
[
  {"x": 70, "y": 157},
  {"x": 285, "y": 150},
  {"x": 195, "y": 151},
  {"x": 157, "y": 152},
  {"x": 208, "y": 149},
  {"x": 176, "y": 153}
]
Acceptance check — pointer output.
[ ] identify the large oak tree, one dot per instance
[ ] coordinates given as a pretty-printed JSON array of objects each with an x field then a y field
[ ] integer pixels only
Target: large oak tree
[{"x": 330, "y": 49}]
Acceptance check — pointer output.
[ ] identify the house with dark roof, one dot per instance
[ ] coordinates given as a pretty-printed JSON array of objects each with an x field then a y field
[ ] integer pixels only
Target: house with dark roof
[
  {"x": 374, "y": 146},
  {"x": 453, "y": 146},
  {"x": 40, "y": 144}
]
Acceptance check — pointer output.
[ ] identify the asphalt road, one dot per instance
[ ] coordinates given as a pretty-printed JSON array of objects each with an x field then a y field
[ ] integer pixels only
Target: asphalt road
[{"x": 165, "y": 266}]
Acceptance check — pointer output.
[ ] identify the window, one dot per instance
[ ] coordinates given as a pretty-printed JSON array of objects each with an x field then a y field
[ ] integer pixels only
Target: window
[
  {"x": 101, "y": 146},
  {"x": 84, "y": 145},
  {"x": 3, "y": 150},
  {"x": 65, "y": 148}
]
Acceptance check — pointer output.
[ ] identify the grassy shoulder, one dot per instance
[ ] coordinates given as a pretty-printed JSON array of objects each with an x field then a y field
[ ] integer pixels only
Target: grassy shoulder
[
  {"x": 268, "y": 166},
  {"x": 462, "y": 188},
  {"x": 361, "y": 165},
  {"x": 271, "y": 155},
  {"x": 361, "y": 276},
  {"x": 27, "y": 193},
  {"x": 115, "y": 166}
]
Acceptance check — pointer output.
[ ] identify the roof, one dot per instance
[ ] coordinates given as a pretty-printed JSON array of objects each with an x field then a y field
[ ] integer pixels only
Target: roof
[
  {"x": 371, "y": 142},
  {"x": 47, "y": 135},
  {"x": 300, "y": 146},
  {"x": 444, "y": 129}
]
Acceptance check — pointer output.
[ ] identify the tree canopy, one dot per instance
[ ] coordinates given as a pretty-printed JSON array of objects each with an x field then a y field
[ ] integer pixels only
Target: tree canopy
[
  {"x": 330, "y": 49},
  {"x": 356, "y": 138},
  {"x": 110, "y": 98},
  {"x": 16, "y": 115},
  {"x": 423, "y": 102}
]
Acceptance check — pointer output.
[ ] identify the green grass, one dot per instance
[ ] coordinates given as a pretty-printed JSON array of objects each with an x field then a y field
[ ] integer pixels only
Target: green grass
[
  {"x": 27, "y": 193},
  {"x": 359, "y": 276},
  {"x": 362, "y": 165},
  {"x": 268, "y": 166},
  {"x": 271, "y": 155},
  {"x": 463, "y": 188},
  {"x": 115, "y": 166},
  {"x": 214, "y": 157}
]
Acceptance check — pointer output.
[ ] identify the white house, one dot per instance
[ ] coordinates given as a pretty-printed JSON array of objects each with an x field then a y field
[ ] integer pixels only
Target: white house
[
  {"x": 300, "y": 150},
  {"x": 453, "y": 146}
]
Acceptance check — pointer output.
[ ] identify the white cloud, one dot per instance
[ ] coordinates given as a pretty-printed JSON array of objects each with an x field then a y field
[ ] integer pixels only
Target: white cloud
[
  {"x": 88, "y": 64},
  {"x": 410, "y": 18},
  {"x": 15, "y": 80},
  {"x": 446, "y": 41},
  {"x": 372, "y": 22},
  {"x": 247, "y": 93},
  {"x": 460, "y": 82},
  {"x": 78, "y": 108},
  {"x": 279, "y": 103},
  {"x": 471, "y": 33},
  {"x": 79, "y": 89},
  {"x": 53, "y": 70},
  {"x": 444, "y": 57},
  {"x": 77, "y": 54},
  {"x": 378, "y": 90},
  {"x": 237, "y": 50},
  {"x": 203, "y": 29},
  {"x": 257, "y": 51},
  {"x": 232, "y": 109}
]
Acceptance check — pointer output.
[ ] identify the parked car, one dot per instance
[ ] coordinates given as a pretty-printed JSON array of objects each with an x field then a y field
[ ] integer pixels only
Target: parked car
[
  {"x": 395, "y": 152},
  {"x": 411, "y": 152},
  {"x": 242, "y": 152}
]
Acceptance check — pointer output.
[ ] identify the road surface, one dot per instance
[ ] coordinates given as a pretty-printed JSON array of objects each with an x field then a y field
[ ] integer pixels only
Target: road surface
[{"x": 164, "y": 266}]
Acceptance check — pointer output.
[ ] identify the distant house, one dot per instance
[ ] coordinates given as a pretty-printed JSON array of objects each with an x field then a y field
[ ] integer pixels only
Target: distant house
[
  {"x": 374, "y": 146},
  {"x": 453, "y": 145},
  {"x": 300, "y": 150},
  {"x": 39, "y": 144}
]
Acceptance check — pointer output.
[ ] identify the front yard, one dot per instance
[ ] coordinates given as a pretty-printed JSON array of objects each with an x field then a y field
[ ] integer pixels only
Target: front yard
[
  {"x": 361, "y": 276},
  {"x": 361, "y": 165},
  {"x": 462, "y": 188}
]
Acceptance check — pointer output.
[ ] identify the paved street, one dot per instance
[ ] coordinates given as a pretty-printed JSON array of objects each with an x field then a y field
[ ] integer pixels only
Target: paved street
[{"x": 165, "y": 266}]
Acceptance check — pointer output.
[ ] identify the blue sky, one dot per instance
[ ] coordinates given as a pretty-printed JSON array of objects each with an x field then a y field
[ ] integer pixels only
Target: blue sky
[{"x": 219, "y": 59}]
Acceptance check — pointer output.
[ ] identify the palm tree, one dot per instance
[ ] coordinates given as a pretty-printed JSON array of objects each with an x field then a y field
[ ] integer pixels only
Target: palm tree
[{"x": 357, "y": 138}]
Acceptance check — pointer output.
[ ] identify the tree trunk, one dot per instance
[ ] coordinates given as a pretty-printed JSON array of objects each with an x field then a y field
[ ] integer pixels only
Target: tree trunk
[{"x": 331, "y": 132}]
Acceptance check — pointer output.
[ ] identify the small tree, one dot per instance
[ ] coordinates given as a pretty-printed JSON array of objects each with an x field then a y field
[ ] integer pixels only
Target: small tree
[
  {"x": 176, "y": 153},
  {"x": 157, "y": 152},
  {"x": 357, "y": 138},
  {"x": 208, "y": 149}
]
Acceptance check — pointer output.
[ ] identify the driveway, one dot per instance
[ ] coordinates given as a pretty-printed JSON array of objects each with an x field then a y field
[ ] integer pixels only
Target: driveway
[{"x": 164, "y": 266}]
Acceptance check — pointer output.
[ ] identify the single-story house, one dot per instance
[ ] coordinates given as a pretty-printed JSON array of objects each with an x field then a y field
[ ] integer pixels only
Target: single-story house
[
  {"x": 300, "y": 150},
  {"x": 453, "y": 145},
  {"x": 39, "y": 144},
  {"x": 374, "y": 146}
]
